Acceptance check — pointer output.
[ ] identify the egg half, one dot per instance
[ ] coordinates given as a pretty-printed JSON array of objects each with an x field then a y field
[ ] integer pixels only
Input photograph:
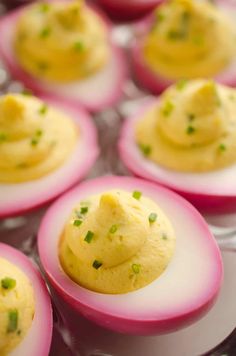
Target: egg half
[
  {"x": 213, "y": 192},
  {"x": 182, "y": 294},
  {"x": 128, "y": 10},
  {"x": 95, "y": 93},
  {"x": 157, "y": 83},
  {"x": 17, "y": 198},
  {"x": 38, "y": 338}
]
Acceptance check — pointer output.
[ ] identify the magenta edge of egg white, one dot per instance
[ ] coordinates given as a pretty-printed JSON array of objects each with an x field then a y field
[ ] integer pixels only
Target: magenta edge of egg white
[
  {"x": 44, "y": 319},
  {"x": 129, "y": 10},
  {"x": 34, "y": 200},
  {"x": 85, "y": 301},
  {"x": 157, "y": 83},
  {"x": 115, "y": 92},
  {"x": 208, "y": 199}
]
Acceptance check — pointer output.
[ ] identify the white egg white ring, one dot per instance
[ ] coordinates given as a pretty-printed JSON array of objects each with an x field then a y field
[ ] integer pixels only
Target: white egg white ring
[
  {"x": 181, "y": 295},
  {"x": 97, "y": 92},
  {"x": 22, "y": 197},
  {"x": 37, "y": 341},
  {"x": 156, "y": 83},
  {"x": 211, "y": 191}
]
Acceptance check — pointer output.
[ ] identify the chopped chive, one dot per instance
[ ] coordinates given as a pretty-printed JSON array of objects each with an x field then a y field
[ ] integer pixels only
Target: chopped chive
[
  {"x": 190, "y": 130},
  {"x": 44, "y": 7},
  {"x": 19, "y": 332},
  {"x": 191, "y": 117},
  {"x": 84, "y": 210},
  {"x": 152, "y": 218},
  {"x": 42, "y": 66},
  {"x": 181, "y": 84},
  {"x": 43, "y": 109},
  {"x": 26, "y": 92},
  {"x": 160, "y": 16},
  {"x": 113, "y": 229},
  {"x": 97, "y": 264},
  {"x": 146, "y": 149},
  {"x": 77, "y": 222},
  {"x": 78, "y": 46},
  {"x": 45, "y": 32},
  {"x": 164, "y": 237},
  {"x": 89, "y": 236},
  {"x": 34, "y": 141},
  {"x": 8, "y": 283},
  {"x": 3, "y": 137},
  {"x": 198, "y": 40},
  {"x": 136, "y": 195},
  {"x": 12, "y": 320},
  {"x": 136, "y": 268},
  {"x": 222, "y": 147},
  {"x": 39, "y": 133},
  {"x": 167, "y": 108}
]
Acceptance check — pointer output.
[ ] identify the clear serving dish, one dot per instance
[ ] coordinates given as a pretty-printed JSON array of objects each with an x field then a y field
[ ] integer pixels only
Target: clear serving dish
[{"x": 214, "y": 335}]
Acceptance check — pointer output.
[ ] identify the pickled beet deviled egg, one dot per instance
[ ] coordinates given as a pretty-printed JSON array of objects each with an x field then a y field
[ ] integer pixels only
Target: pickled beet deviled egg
[
  {"x": 45, "y": 147},
  {"x": 177, "y": 41},
  {"x": 130, "y": 255},
  {"x": 64, "y": 49},
  {"x": 186, "y": 140},
  {"x": 25, "y": 307},
  {"x": 129, "y": 10}
]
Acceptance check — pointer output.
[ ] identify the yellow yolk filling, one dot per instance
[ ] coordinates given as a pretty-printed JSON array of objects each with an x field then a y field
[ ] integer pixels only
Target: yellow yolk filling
[
  {"x": 17, "y": 306},
  {"x": 192, "y": 128},
  {"x": 116, "y": 242},
  {"x": 189, "y": 39},
  {"x": 61, "y": 41},
  {"x": 35, "y": 139}
]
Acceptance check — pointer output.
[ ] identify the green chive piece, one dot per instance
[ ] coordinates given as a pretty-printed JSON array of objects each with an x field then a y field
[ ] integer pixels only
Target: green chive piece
[
  {"x": 136, "y": 195},
  {"x": 44, "y": 7},
  {"x": 181, "y": 84},
  {"x": 39, "y": 133},
  {"x": 191, "y": 117},
  {"x": 190, "y": 130},
  {"x": 84, "y": 210},
  {"x": 152, "y": 218},
  {"x": 42, "y": 66},
  {"x": 34, "y": 142},
  {"x": 198, "y": 40},
  {"x": 43, "y": 109},
  {"x": 160, "y": 16},
  {"x": 78, "y": 46},
  {"x": 97, "y": 264},
  {"x": 167, "y": 108},
  {"x": 77, "y": 222},
  {"x": 45, "y": 32},
  {"x": 136, "y": 268},
  {"x": 26, "y": 92},
  {"x": 164, "y": 237},
  {"x": 146, "y": 149},
  {"x": 3, "y": 137},
  {"x": 8, "y": 283},
  {"x": 12, "y": 320},
  {"x": 222, "y": 147},
  {"x": 113, "y": 229},
  {"x": 89, "y": 236}
]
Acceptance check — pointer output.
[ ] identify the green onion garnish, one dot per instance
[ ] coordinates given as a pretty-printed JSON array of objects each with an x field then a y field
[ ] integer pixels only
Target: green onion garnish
[
  {"x": 136, "y": 195},
  {"x": 190, "y": 130},
  {"x": 3, "y": 137},
  {"x": 97, "y": 264},
  {"x": 89, "y": 236},
  {"x": 222, "y": 147},
  {"x": 181, "y": 84},
  {"x": 38, "y": 133},
  {"x": 146, "y": 149},
  {"x": 191, "y": 117},
  {"x": 136, "y": 268},
  {"x": 12, "y": 320},
  {"x": 43, "y": 109},
  {"x": 77, "y": 222},
  {"x": 42, "y": 66},
  {"x": 84, "y": 210},
  {"x": 167, "y": 108},
  {"x": 152, "y": 218},
  {"x": 113, "y": 229},
  {"x": 44, "y": 7},
  {"x": 78, "y": 46},
  {"x": 34, "y": 141},
  {"x": 8, "y": 283},
  {"x": 45, "y": 32}
]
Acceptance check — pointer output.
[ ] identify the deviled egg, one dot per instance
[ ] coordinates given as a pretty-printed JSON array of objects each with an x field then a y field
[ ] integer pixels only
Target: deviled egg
[
  {"x": 130, "y": 255},
  {"x": 177, "y": 41},
  {"x": 25, "y": 307},
  {"x": 186, "y": 140},
  {"x": 65, "y": 49},
  {"x": 129, "y": 10},
  {"x": 45, "y": 147}
]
